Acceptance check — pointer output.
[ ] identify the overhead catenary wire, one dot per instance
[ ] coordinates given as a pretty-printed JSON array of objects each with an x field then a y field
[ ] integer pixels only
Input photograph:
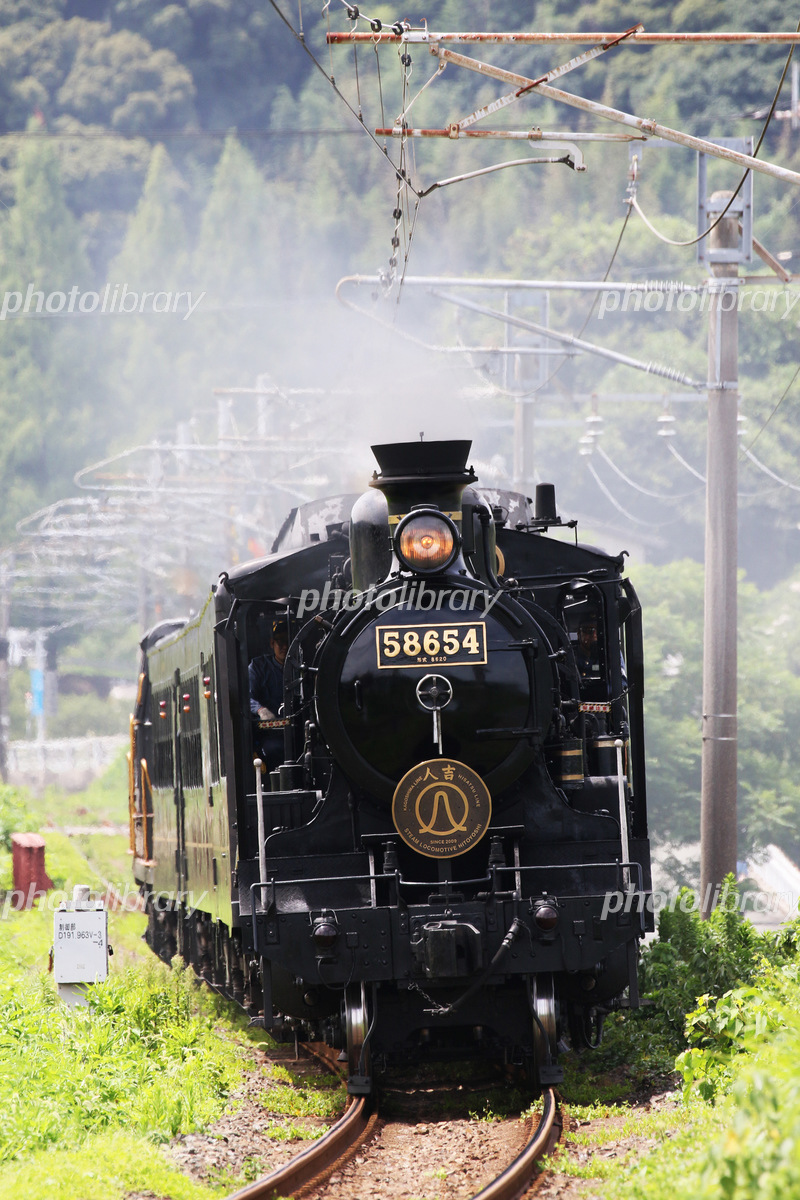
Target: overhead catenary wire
[
  {"x": 786, "y": 391},
  {"x": 665, "y": 497},
  {"x": 609, "y": 495},
  {"x": 331, "y": 80},
  {"x": 540, "y": 387},
  {"x": 784, "y": 483},
  {"x": 687, "y": 465},
  {"x": 698, "y": 475},
  {"x": 634, "y": 203}
]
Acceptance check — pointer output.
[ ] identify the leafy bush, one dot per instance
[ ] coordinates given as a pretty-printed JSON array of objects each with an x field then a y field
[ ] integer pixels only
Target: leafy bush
[
  {"x": 15, "y": 816},
  {"x": 721, "y": 1029},
  {"x": 693, "y": 958}
]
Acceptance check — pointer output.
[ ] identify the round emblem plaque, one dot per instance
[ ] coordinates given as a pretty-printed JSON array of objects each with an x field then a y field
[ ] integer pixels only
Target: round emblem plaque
[{"x": 441, "y": 808}]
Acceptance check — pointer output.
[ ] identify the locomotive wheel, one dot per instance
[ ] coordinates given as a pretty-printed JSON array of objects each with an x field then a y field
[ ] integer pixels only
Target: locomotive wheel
[
  {"x": 357, "y": 1029},
  {"x": 545, "y": 1026}
]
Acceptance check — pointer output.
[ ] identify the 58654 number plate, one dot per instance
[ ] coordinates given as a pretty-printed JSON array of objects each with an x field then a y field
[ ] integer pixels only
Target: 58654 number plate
[{"x": 428, "y": 645}]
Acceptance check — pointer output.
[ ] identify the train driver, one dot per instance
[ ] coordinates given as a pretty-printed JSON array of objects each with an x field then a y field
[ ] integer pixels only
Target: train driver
[
  {"x": 587, "y": 657},
  {"x": 266, "y": 696}
]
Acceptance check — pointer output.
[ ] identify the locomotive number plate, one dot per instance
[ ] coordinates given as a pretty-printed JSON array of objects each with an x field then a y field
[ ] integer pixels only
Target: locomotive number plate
[{"x": 427, "y": 645}]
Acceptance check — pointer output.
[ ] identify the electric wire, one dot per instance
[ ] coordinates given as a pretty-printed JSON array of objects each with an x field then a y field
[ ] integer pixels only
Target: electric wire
[
  {"x": 302, "y": 42},
  {"x": 786, "y": 391},
  {"x": 665, "y": 497},
  {"x": 590, "y": 313},
  {"x": 688, "y": 466},
  {"x": 533, "y": 391},
  {"x": 634, "y": 203},
  {"x": 784, "y": 483},
  {"x": 613, "y": 500},
  {"x": 380, "y": 87},
  {"x": 742, "y": 495}
]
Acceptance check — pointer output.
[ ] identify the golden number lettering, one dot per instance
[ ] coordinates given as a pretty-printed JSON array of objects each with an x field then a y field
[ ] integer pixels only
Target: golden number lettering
[
  {"x": 450, "y": 641},
  {"x": 430, "y": 642},
  {"x": 411, "y": 643},
  {"x": 391, "y": 643},
  {"x": 470, "y": 642}
]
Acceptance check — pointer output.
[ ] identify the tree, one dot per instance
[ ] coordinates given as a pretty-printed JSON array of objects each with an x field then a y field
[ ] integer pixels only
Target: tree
[
  {"x": 50, "y": 410},
  {"x": 148, "y": 345}
]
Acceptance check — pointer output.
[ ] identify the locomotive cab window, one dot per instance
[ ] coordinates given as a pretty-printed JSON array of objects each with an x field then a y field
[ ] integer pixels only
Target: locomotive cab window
[{"x": 584, "y": 618}]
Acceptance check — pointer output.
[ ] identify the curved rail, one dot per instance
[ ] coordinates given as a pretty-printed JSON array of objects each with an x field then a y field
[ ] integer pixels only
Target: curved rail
[
  {"x": 516, "y": 1178},
  {"x": 349, "y": 1130},
  {"x": 286, "y": 1180}
]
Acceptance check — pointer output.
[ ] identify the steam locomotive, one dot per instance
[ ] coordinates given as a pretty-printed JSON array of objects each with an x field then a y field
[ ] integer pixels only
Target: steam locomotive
[{"x": 451, "y": 855}]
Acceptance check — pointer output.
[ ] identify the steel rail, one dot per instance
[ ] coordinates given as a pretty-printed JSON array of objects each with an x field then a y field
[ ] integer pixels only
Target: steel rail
[
  {"x": 512, "y": 1182},
  {"x": 309, "y": 1163},
  {"x": 426, "y": 37}
]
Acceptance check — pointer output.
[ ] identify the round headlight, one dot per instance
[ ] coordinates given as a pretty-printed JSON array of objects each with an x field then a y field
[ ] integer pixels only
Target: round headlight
[{"x": 426, "y": 542}]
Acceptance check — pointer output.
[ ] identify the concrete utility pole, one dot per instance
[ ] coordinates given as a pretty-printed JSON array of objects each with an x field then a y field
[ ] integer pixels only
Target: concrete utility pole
[{"x": 718, "y": 795}]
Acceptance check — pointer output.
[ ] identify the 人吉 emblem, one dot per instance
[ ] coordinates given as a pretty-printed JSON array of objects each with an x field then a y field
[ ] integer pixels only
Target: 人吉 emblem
[{"x": 441, "y": 808}]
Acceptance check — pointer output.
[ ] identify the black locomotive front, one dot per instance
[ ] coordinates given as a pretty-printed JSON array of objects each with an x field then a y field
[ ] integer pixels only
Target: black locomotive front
[{"x": 454, "y": 852}]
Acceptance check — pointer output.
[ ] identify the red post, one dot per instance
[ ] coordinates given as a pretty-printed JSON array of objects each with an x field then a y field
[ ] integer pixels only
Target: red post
[{"x": 30, "y": 877}]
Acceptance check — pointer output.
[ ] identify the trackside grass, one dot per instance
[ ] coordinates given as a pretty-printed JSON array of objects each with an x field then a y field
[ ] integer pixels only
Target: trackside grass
[
  {"x": 736, "y": 1132},
  {"x": 87, "y": 1093}
]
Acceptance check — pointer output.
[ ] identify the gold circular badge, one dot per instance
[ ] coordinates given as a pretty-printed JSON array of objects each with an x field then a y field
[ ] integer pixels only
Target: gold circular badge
[{"x": 441, "y": 808}]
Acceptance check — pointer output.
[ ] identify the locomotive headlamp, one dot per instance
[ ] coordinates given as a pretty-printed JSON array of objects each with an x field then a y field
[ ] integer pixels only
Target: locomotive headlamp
[
  {"x": 324, "y": 933},
  {"x": 426, "y": 542},
  {"x": 546, "y": 916}
]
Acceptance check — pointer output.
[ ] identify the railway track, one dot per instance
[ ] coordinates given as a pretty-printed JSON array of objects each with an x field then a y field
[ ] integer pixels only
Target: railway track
[{"x": 309, "y": 1171}]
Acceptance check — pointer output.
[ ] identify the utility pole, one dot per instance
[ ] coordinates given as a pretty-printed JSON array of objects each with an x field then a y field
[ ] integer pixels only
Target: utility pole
[{"x": 718, "y": 825}]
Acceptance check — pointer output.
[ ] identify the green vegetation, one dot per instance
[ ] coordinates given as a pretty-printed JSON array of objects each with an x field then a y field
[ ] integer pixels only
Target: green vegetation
[
  {"x": 89, "y": 1094},
  {"x": 769, "y": 706},
  {"x": 104, "y": 1084},
  {"x": 140, "y": 1057},
  {"x": 724, "y": 999},
  {"x": 689, "y": 959}
]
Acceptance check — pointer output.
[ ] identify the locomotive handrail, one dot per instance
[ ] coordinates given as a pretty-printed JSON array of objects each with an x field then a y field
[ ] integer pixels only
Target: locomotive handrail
[
  {"x": 430, "y": 883},
  {"x": 624, "y": 869}
]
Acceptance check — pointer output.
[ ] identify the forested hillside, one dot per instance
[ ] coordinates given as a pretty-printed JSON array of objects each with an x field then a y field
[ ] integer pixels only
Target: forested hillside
[{"x": 194, "y": 149}]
